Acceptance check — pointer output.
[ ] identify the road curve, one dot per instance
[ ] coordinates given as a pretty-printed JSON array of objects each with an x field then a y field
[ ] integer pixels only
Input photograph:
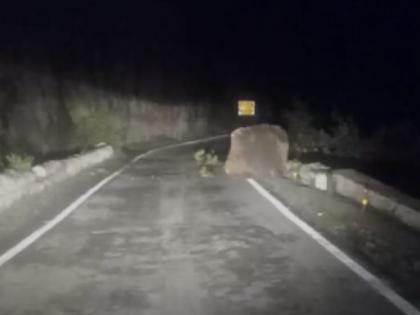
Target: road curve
[{"x": 158, "y": 240}]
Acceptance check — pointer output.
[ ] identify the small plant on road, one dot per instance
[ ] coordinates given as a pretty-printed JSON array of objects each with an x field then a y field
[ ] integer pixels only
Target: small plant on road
[
  {"x": 199, "y": 156},
  {"x": 206, "y": 161},
  {"x": 19, "y": 162},
  {"x": 293, "y": 168}
]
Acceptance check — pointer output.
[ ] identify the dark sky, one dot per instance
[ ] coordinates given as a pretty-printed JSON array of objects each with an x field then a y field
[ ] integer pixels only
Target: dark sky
[{"x": 361, "y": 55}]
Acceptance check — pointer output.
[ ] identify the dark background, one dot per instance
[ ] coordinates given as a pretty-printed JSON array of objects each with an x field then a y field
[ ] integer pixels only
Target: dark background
[{"x": 360, "y": 57}]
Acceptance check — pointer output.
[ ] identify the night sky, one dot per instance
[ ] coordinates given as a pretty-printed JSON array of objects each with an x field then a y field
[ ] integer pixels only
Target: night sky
[{"x": 359, "y": 56}]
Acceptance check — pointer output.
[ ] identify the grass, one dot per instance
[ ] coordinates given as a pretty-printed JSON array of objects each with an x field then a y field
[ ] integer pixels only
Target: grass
[{"x": 19, "y": 162}]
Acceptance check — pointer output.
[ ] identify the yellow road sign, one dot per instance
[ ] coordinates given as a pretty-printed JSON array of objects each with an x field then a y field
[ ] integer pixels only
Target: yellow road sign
[{"x": 246, "y": 108}]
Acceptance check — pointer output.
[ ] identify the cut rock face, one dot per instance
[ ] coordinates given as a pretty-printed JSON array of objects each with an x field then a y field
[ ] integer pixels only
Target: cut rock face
[{"x": 259, "y": 150}]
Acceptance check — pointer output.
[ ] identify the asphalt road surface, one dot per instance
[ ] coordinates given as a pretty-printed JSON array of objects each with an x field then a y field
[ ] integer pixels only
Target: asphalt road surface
[{"x": 159, "y": 240}]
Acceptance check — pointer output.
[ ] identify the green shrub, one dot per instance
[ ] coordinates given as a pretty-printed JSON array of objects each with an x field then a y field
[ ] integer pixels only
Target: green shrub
[
  {"x": 2, "y": 165},
  {"x": 199, "y": 156},
  {"x": 206, "y": 161},
  {"x": 346, "y": 138},
  {"x": 324, "y": 141},
  {"x": 212, "y": 159},
  {"x": 93, "y": 126},
  {"x": 294, "y": 169},
  {"x": 302, "y": 133},
  {"x": 205, "y": 171},
  {"x": 342, "y": 137},
  {"x": 19, "y": 162}
]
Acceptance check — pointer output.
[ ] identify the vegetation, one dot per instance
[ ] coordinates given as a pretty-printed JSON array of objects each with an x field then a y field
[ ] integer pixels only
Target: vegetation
[
  {"x": 294, "y": 167},
  {"x": 206, "y": 161},
  {"x": 19, "y": 162},
  {"x": 93, "y": 126},
  {"x": 342, "y": 137},
  {"x": 2, "y": 164}
]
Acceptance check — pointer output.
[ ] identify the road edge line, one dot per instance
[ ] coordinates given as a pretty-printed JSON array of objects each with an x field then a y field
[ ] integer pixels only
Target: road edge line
[
  {"x": 38, "y": 233},
  {"x": 377, "y": 284}
]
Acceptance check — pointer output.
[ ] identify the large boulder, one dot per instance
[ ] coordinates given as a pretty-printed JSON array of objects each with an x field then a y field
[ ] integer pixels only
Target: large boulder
[{"x": 259, "y": 150}]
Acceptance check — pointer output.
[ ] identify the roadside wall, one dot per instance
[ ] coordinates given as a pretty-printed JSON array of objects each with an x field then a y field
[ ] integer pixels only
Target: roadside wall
[{"x": 36, "y": 107}]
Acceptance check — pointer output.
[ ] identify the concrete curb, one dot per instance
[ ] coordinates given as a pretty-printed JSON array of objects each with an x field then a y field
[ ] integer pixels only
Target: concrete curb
[
  {"x": 354, "y": 185},
  {"x": 16, "y": 185},
  {"x": 357, "y": 186}
]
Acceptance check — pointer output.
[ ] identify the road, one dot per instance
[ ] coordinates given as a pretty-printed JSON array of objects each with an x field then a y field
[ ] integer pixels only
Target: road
[{"x": 159, "y": 239}]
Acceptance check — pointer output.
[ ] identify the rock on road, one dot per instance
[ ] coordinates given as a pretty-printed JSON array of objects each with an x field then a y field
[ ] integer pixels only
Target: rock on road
[{"x": 159, "y": 240}]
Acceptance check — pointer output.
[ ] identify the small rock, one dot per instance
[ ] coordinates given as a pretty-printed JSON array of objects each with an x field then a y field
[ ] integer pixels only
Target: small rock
[{"x": 39, "y": 171}]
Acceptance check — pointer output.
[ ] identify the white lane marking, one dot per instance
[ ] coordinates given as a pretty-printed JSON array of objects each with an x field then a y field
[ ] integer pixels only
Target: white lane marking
[
  {"x": 34, "y": 236},
  {"x": 402, "y": 304}
]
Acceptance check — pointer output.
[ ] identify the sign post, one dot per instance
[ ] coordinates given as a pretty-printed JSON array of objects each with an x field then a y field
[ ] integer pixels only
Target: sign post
[
  {"x": 246, "y": 112},
  {"x": 246, "y": 108}
]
